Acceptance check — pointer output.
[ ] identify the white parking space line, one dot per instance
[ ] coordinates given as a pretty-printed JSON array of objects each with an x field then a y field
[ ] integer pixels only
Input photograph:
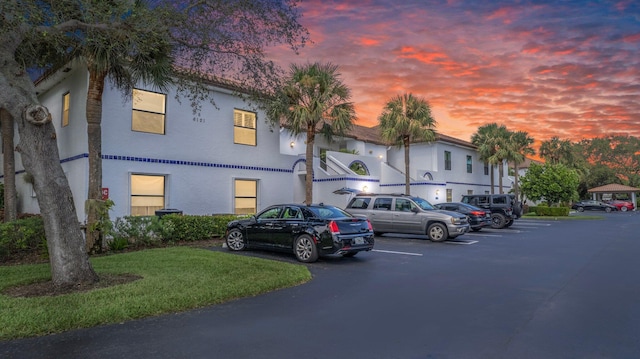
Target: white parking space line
[
  {"x": 394, "y": 252},
  {"x": 483, "y": 235},
  {"x": 461, "y": 242}
]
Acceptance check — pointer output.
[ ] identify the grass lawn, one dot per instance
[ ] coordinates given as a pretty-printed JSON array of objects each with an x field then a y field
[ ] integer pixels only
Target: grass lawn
[{"x": 172, "y": 280}]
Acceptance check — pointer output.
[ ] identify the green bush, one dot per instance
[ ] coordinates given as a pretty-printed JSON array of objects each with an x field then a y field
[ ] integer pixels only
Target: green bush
[
  {"x": 135, "y": 230},
  {"x": 21, "y": 236},
  {"x": 178, "y": 227},
  {"x": 550, "y": 211}
]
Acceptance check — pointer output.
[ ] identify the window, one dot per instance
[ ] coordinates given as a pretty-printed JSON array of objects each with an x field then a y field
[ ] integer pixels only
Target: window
[
  {"x": 244, "y": 127},
  {"x": 449, "y": 195},
  {"x": 382, "y": 204},
  {"x": 403, "y": 205},
  {"x": 148, "y": 112},
  {"x": 469, "y": 164},
  {"x": 65, "y": 109},
  {"x": 469, "y": 191},
  {"x": 486, "y": 168},
  {"x": 447, "y": 160},
  {"x": 147, "y": 194},
  {"x": 246, "y": 196}
]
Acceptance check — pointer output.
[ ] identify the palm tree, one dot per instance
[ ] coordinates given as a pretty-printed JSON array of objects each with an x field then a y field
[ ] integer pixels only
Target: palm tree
[
  {"x": 556, "y": 151},
  {"x": 113, "y": 58},
  {"x": 407, "y": 119},
  {"x": 519, "y": 145},
  {"x": 490, "y": 140},
  {"x": 312, "y": 98}
]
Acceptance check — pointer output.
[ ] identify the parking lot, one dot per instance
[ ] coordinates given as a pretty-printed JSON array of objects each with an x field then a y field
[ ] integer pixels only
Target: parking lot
[{"x": 539, "y": 289}]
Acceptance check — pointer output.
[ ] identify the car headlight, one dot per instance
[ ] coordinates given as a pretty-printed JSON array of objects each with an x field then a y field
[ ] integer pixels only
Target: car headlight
[{"x": 456, "y": 220}]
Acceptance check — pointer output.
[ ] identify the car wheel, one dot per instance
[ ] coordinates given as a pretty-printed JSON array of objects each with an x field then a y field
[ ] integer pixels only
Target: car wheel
[
  {"x": 235, "y": 240},
  {"x": 624, "y": 208},
  {"x": 580, "y": 209},
  {"x": 350, "y": 254},
  {"x": 305, "y": 249},
  {"x": 437, "y": 232},
  {"x": 498, "y": 221},
  {"x": 608, "y": 209}
]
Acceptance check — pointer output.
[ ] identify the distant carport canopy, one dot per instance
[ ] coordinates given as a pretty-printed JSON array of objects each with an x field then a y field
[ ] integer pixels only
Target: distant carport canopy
[{"x": 615, "y": 188}]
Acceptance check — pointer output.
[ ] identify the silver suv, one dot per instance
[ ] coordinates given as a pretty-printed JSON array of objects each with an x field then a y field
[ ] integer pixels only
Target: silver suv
[{"x": 398, "y": 213}]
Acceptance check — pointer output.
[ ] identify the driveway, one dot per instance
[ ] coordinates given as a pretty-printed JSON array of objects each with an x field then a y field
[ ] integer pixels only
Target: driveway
[{"x": 540, "y": 289}]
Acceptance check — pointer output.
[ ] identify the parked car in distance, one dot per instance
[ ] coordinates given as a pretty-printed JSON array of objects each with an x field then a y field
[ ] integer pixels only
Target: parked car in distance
[
  {"x": 478, "y": 217},
  {"x": 622, "y": 205},
  {"x": 307, "y": 231},
  {"x": 399, "y": 213},
  {"x": 592, "y": 205},
  {"x": 504, "y": 207}
]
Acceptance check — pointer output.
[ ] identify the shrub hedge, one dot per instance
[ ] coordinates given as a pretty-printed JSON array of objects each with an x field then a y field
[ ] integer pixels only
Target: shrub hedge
[
  {"x": 550, "y": 211},
  {"x": 25, "y": 235}
]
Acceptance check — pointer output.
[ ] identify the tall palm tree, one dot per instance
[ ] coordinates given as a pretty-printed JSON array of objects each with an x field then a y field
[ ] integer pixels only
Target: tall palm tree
[
  {"x": 312, "y": 98},
  {"x": 405, "y": 119},
  {"x": 519, "y": 145},
  {"x": 490, "y": 140},
  {"x": 556, "y": 151},
  {"x": 113, "y": 58}
]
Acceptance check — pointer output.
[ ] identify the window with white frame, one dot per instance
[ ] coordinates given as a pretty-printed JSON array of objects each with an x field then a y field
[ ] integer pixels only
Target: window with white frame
[
  {"x": 148, "y": 112},
  {"x": 244, "y": 127},
  {"x": 65, "y": 109},
  {"x": 449, "y": 195},
  {"x": 469, "y": 164},
  {"x": 246, "y": 196},
  {"x": 447, "y": 160},
  {"x": 147, "y": 194}
]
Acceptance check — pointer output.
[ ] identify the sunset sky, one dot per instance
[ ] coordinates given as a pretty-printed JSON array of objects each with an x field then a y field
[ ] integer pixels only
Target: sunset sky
[{"x": 552, "y": 68}]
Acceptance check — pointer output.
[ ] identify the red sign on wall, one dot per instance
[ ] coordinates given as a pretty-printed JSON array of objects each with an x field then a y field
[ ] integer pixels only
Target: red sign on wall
[{"x": 105, "y": 194}]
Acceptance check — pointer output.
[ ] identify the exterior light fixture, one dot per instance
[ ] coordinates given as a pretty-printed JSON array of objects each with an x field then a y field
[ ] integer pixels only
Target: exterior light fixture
[
  {"x": 365, "y": 188},
  {"x": 292, "y": 144}
]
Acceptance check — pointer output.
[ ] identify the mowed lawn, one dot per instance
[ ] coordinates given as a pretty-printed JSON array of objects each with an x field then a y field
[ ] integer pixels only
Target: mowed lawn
[{"x": 171, "y": 280}]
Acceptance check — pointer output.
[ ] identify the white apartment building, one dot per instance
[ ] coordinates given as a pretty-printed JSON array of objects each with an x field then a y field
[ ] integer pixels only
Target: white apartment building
[{"x": 157, "y": 154}]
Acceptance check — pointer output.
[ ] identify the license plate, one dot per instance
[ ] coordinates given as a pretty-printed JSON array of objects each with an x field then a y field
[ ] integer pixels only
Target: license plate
[{"x": 358, "y": 240}]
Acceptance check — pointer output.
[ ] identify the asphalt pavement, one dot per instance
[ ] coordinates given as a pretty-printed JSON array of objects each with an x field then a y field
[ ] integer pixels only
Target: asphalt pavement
[{"x": 540, "y": 289}]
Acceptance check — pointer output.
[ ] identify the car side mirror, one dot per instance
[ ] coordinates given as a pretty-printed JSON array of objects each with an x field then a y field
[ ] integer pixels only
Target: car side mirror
[{"x": 415, "y": 209}]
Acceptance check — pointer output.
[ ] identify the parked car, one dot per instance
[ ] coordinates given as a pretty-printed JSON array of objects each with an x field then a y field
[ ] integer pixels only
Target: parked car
[
  {"x": 478, "y": 217},
  {"x": 399, "y": 213},
  {"x": 622, "y": 205},
  {"x": 307, "y": 231},
  {"x": 504, "y": 207},
  {"x": 592, "y": 205}
]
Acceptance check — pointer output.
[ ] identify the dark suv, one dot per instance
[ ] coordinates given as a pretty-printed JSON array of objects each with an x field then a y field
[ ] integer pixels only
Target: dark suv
[
  {"x": 399, "y": 213},
  {"x": 504, "y": 207}
]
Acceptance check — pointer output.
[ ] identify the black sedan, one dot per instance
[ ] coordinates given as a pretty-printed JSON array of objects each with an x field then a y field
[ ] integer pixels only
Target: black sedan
[
  {"x": 307, "y": 231},
  {"x": 478, "y": 217},
  {"x": 592, "y": 205}
]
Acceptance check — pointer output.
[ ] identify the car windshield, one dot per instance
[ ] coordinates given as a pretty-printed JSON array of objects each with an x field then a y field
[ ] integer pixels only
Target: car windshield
[
  {"x": 329, "y": 212},
  {"x": 423, "y": 203}
]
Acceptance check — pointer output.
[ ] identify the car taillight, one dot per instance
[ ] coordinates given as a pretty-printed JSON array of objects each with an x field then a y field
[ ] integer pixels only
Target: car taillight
[
  {"x": 478, "y": 213},
  {"x": 370, "y": 226},
  {"x": 333, "y": 227}
]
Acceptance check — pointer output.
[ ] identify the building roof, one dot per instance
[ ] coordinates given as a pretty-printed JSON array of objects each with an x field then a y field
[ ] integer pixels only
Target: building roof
[{"x": 613, "y": 188}]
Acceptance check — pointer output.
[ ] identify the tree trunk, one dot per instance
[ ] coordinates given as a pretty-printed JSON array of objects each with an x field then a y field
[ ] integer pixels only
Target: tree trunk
[
  {"x": 492, "y": 179},
  {"x": 500, "y": 175},
  {"x": 311, "y": 135},
  {"x": 407, "y": 178},
  {"x": 9, "y": 167},
  {"x": 94, "y": 133},
  {"x": 516, "y": 189},
  {"x": 66, "y": 245}
]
